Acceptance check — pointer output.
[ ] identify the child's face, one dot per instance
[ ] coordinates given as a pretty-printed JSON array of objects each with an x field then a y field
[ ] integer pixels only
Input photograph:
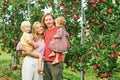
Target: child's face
[
  {"x": 58, "y": 25},
  {"x": 27, "y": 28}
]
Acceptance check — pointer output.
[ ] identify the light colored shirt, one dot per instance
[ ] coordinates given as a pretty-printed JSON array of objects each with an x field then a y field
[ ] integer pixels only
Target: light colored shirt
[
  {"x": 24, "y": 38},
  {"x": 41, "y": 47}
]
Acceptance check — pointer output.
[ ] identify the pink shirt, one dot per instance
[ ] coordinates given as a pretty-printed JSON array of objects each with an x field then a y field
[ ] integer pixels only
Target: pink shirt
[{"x": 40, "y": 48}]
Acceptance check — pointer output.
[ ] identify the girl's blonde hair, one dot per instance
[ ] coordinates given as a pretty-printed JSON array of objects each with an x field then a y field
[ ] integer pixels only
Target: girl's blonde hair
[
  {"x": 24, "y": 24},
  {"x": 61, "y": 20},
  {"x": 34, "y": 33}
]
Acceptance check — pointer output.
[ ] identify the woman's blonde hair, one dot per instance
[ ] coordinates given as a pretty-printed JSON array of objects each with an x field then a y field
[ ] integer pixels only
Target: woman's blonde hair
[
  {"x": 60, "y": 20},
  {"x": 34, "y": 33}
]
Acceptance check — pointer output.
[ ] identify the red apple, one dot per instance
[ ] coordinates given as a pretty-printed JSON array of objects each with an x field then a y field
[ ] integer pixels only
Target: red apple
[
  {"x": 4, "y": 38},
  {"x": 72, "y": 69},
  {"x": 94, "y": 5},
  {"x": 97, "y": 22},
  {"x": 97, "y": 55},
  {"x": 49, "y": 4},
  {"x": 74, "y": 8},
  {"x": 104, "y": 23},
  {"x": 100, "y": 46},
  {"x": 95, "y": 67},
  {"x": 93, "y": 20},
  {"x": 105, "y": 75},
  {"x": 7, "y": 1},
  {"x": 89, "y": 53},
  {"x": 98, "y": 1},
  {"x": 3, "y": 7},
  {"x": 102, "y": 0},
  {"x": 84, "y": 70},
  {"x": 3, "y": 15},
  {"x": 80, "y": 60},
  {"x": 9, "y": 49},
  {"x": 77, "y": 1},
  {"x": 117, "y": 54},
  {"x": 101, "y": 76},
  {"x": 60, "y": 3},
  {"x": 113, "y": 46},
  {"x": 71, "y": 32},
  {"x": 112, "y": 55},
  {"x": 64, "y": 10},
  {"x": 75, "y": 17},
  {"x": 109, "y": 11},
  {"x": 92, "y": 1}
]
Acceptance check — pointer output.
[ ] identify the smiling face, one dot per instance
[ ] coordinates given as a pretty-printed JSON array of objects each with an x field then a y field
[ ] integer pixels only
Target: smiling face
[
  {"x": 48, "y": 21},
  {"x": 39, "y": 29}
]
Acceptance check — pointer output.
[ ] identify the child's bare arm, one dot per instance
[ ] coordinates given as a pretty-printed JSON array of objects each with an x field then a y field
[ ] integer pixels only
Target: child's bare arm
[{"x": 32, "y": 43}]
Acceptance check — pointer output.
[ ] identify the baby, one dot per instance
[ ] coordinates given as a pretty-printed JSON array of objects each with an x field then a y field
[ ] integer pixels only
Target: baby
[
  {"x": 26, "y": 39},
  {"x": 59, "y": 42}
]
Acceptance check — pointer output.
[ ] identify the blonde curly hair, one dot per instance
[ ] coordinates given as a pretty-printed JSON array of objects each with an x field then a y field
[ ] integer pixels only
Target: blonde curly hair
[
  {"x": 24, "y": 24},
  {"x": 60, "y": 20}
]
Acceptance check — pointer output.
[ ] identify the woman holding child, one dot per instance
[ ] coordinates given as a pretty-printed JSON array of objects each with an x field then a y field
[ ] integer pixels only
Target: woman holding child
[{"x": 32, "y": 66}]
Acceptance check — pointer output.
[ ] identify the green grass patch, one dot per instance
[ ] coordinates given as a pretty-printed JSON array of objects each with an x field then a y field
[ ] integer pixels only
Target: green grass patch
[{"x": 7, "y": 73}]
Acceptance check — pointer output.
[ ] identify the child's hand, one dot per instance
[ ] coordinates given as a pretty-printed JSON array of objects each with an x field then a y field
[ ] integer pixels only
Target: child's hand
[
  {"x": 55, "y": 36},
  {"x": 29, "y": 41},
  {"x": 35, "y": 46}
]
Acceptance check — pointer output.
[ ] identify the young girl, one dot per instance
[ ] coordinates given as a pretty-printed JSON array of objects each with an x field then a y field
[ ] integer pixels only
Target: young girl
[{"x": 59, "y": 42}]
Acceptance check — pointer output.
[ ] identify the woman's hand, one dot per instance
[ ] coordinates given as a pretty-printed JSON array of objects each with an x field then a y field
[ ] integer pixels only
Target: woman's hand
[
  {"x": 41, "y": 71},
  {"x": 27, "y": 52}
]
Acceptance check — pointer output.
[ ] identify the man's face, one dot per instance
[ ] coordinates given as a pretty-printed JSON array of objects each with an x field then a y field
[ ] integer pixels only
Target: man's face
[{"x": 49, "y": 21}]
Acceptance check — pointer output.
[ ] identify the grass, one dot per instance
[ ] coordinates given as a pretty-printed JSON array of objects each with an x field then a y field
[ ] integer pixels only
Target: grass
[{"x": 7, "y": 73}]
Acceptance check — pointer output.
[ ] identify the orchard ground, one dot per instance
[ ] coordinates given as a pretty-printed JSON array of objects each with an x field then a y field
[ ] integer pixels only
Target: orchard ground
[{"x": 7, "y": 73}]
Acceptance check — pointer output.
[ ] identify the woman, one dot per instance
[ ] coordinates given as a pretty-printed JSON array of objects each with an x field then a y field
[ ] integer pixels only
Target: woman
[
  {"x": 30, "y": 64},
  {"x": 52, "y": 72}
]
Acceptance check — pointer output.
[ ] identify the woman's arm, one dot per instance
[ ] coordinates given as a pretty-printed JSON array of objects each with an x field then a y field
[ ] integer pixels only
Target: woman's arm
[{"x": 19, "y": 47}]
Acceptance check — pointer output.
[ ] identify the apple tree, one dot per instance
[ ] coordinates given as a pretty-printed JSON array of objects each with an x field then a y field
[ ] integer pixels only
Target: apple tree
[{"x": 101, "y": 47}]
